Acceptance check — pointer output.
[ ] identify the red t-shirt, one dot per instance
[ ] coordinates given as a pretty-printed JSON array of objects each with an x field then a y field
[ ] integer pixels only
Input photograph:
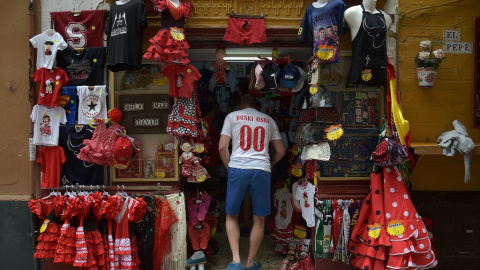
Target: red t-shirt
[
  {"x": 51, "y": 159},
  {"x": 82, "y": 30},
  {"x": 181, "y": 79},
  {"x": 51, "y": 81}
]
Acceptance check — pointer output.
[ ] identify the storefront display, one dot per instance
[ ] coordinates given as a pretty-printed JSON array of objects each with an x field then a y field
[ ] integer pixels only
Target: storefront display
[{"x": 158, "y": 126}]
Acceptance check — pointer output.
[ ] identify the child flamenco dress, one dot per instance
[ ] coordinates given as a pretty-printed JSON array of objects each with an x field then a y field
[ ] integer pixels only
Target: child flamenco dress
[
  {"x": 390, "y": 234},
  {"x": 169, "y": 44},
  {"x": 65, "y": 249},
  {"x": 50, "y": 229}
]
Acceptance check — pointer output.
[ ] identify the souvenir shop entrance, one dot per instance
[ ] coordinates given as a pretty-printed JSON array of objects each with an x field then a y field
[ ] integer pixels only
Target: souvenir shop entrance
[{"x": 348, "y": 184}]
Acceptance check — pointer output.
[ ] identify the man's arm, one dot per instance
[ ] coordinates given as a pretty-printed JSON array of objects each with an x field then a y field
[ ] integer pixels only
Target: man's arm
[
  {"x": 223, "y": 149},
  {"x": 278, "y": 152}
]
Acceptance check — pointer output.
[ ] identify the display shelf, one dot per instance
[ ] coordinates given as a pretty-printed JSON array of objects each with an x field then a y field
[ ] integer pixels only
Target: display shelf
[
  {"x": 425, "y": 148},
  {"x": 142, "y": 96}
]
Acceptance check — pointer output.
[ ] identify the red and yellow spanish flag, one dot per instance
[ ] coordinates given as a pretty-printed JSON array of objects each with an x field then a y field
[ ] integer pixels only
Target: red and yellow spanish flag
[{"x": 394, "y": 110}]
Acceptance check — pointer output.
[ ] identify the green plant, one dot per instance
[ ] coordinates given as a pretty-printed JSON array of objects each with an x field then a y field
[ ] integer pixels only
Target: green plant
[{"x": 429, "y": 57}]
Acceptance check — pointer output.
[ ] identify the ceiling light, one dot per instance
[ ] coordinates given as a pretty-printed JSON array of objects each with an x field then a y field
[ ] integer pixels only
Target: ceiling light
[{"x": 244, "y": 58}]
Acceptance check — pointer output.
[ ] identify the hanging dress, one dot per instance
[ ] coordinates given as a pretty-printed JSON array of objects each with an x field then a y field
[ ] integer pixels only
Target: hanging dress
[
  {"x": 169, "y": 44},
  {"x": 99, "y": 149},
  {"x": 114, "y": 206},
  {"x": 178, "y": 256},
  {"x": 65, "y": 248},
  {"x": 411, "y": 247},
  {"x": 183, "y": 117},
  {"x": 50, "y": 229},
  {"x": 165, "y": 218}
]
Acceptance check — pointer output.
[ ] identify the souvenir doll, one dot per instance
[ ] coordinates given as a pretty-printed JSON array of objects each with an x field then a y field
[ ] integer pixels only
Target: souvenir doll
[
  {"x": 220, "y": 66},
  {"x": 191, "y": 167}
]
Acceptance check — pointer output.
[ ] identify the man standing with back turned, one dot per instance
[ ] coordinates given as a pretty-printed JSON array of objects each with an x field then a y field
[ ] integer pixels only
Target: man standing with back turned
[{"x": 249, "y": 170}]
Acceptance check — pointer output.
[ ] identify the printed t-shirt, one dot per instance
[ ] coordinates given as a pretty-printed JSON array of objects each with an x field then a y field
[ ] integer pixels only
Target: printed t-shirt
[
  {"x": 69, "y": 101},
  {"x": 181, "y": 79},
  {"x": 75, "y": 170},
  {"x": 320, "y": 27},
  {"x": 47, "y": 47},
  {"x": 92, "y": 103},
  {"x": 85, "y": 68},
  {"x": 46, "y": 124},
  {"x": 125, "y": 35},
  {"x": 80, "y": 30},
  {"x": 305, "y": 196},
  {"x": 251, "y": 132},
  {"x": 51, "y": 81},
  {"x": 51, "y": 159}
]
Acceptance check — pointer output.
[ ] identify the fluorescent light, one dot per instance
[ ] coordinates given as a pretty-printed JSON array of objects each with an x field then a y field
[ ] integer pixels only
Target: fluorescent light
[{"x": 244, "y": 58}]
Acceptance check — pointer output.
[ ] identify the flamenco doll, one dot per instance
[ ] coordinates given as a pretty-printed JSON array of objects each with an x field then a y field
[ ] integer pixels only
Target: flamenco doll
[
  {"x": 169, "y": 44},
  {"x": 190, "y": 164},
  {"x": 220, "y": 66}
]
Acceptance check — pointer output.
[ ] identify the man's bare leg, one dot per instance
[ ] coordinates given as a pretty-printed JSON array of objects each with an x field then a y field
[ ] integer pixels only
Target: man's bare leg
[
  {"x": 256, "y": 237},
  {"x": 233, "y": 233}
]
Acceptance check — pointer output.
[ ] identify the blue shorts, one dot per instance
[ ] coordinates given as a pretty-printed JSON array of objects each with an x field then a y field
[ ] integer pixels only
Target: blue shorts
[{"x": 256, "y": 183}]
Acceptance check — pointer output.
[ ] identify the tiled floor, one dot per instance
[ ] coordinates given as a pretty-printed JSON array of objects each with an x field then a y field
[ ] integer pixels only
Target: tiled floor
[{"x": 269, "y": 259}]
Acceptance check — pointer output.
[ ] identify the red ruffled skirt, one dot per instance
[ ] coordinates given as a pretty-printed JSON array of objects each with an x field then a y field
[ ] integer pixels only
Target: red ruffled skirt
[
  {"x": 47, "y": 241},
  {"x": 96, "y": 251},
  {"x": 168, "y": 46},
  {"x": 65, "y": 248}
]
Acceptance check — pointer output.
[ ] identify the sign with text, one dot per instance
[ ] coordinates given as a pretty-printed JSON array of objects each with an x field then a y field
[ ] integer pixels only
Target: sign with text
[
  {"x": 453, "y": 42},
  {"x": 146, "y": 113}
]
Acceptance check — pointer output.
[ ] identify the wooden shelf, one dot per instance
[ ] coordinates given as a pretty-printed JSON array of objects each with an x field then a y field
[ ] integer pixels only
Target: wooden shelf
[{"x": 420, "y": 148}]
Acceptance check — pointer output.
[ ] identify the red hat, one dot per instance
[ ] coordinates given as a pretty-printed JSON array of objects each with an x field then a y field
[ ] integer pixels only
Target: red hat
[{"x": 122, "y": 153}]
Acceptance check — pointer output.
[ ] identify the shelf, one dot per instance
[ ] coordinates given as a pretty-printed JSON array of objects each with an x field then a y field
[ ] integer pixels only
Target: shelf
[{"x": 420, "y": 148}]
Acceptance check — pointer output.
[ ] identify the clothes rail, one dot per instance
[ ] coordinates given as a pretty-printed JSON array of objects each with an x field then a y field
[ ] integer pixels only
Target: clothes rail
[{"x": 158, "y": 187}]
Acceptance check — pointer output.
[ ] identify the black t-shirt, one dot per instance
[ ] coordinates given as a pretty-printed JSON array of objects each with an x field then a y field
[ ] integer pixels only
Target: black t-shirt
[
  {"x": 85, "y": 68},
  {"x": 75, "y": 170},
  {"x": 125, "y": 35}
]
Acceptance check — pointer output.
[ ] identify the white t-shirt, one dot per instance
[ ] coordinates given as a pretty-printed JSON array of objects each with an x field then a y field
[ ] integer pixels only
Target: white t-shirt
[
  {"x": 283, "y": 204},
  {"x": 308, "y": 213},
  {"x": 46, "y": 125},
  {"x": 91, "y": 103},
  {"x": 251, "y": 132},
  {"x": 47, "y": 47}
]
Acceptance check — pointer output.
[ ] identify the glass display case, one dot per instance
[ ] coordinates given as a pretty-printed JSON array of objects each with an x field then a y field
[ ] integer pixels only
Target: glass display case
[{"x": 142, "y": 96}]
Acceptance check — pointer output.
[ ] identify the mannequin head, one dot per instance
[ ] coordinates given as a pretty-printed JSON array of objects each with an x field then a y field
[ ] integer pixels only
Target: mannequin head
[{"x": 220, "y": 53}]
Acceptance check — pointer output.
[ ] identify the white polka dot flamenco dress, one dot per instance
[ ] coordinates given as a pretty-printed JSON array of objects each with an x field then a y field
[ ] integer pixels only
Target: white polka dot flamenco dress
[{"x": 390, "y": 234}]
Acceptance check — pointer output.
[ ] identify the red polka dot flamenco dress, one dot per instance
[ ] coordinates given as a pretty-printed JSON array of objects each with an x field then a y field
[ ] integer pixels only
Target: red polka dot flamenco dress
[
  {"x": 390, "y": 234},
  {"x": 169, "y": 44}
]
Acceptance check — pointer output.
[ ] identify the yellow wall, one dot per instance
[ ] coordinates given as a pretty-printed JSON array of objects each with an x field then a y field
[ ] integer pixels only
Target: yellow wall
[
  {"x": 15, "y": 109},
  {"x": 432, "y": 111}
]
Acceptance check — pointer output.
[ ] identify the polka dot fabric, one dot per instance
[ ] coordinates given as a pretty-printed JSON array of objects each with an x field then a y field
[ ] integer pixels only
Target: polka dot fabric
[
  {"x": 389, "y": 202},
  {"x": 368, "y": 252},
  {"x": 182, "y": 120},
  {"x": 412, "y": 248}
]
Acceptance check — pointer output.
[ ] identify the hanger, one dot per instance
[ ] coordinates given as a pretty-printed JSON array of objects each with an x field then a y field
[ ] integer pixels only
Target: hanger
[
  {"x": 233, "y": 15},
  {"x": 76, "y": 12},
  {"x": 78, "y": 51},
  {"x": 52, "y": 193},
  {"x": 51, "y": 32},
  {"x": 105, "y": 193}
]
